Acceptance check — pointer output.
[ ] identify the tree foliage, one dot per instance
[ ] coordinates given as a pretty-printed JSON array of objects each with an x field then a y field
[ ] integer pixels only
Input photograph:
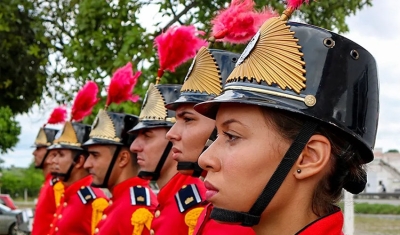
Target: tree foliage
[
  {"x": 23, "y": 55},
  {"x": 10, "y": 129},
  {"x": 15, "y": 180}
]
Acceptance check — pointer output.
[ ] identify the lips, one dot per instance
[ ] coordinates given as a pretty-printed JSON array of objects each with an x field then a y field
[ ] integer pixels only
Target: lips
[
  {"x": 211, "y": 190},
  {"x": 175, "y": 153},
  {"x": 140, "y": 161}
]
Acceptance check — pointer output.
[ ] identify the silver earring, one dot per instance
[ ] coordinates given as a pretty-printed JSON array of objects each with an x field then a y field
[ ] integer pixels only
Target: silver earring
[{"x": 299, "y": 171}]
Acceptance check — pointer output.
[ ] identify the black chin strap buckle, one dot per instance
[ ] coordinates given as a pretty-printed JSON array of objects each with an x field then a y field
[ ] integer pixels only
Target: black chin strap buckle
[
  {"x": 147, "y": 175},
  {"x": 234, "y": 217}
]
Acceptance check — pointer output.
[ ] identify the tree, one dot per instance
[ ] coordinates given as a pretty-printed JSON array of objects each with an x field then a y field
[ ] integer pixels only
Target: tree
[
  {"x": 10, "y": 129},
  {"x": 96, "y": 37},
  {"x": 24, "y": 55},
  {"x": 392, "y": 151}
]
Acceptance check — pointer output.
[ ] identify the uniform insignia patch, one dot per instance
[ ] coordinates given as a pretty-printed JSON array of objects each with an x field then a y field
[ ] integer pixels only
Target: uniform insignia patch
[
  {"x": 86, "y": 194},
  {"x": 140, "y": 195},
  {"x": 187, "y": 197},
  {"x": 53, "y": 181}
]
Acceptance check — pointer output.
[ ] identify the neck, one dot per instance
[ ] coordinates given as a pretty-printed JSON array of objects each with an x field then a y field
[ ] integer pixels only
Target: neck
[
  {"x": 76, "y": 175},
  {"x": 166, "y": 175},
  {"x": 297, "y": 210},
  {"x": 126, "y": 173},
  {"x": 46, "y": 170}
]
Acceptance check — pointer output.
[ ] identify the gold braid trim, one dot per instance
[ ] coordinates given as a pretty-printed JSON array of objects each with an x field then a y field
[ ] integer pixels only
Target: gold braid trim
[
  {"x": 140, "y": 218},
  {"x": 98, "y": 207},
  {"x": 191, "y": 218},
  {"x": 58, "y": 189}
]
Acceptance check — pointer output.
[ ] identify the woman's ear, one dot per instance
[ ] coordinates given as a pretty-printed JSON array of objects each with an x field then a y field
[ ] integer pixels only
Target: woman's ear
[{"x": 314, "y": 158}]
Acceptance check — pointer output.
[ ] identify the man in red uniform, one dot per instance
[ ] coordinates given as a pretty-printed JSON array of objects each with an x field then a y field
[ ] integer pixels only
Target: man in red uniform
[
  {"x": 113, "y": 166},
  {"x": 180, "y": 195},
  {"x": 81, "y": 205},
  {"x": 46, "y": 204}
]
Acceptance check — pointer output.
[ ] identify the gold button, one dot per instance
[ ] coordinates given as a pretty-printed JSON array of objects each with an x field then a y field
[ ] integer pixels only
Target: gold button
[
  {"x": 55, "y": 215},
  {"x": 60, "y": 216},
  {"x": 104, "y": 217},
  {"x": 110, "y": 202},
  {"x": 56, "y": 229},
  {"x": 65, "y": 204},
  {"x": 96, "y": 231},
  {"x": 157, "y": 214},
  {"x": 151, "y": 232},
  {"x": 51, "y": 225}
]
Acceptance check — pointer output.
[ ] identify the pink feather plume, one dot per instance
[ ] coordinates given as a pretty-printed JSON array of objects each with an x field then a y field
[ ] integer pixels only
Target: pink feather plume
[
  {"x": 59, "y": 115},
  {"x": 177, "y": 45},
  {"x": 295, "y": 4},
  {"x": 122, "y": 84},
  {"x": 239, "y": 22},
  {"x": 84, "y": 102}
]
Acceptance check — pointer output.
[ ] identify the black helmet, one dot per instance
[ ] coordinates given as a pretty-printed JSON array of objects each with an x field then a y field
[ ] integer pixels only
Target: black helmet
[
  {"x": 111, "y": 129},
  {"x": 318, "y": 73},
  {"x": 153, "y": 113},
  {"x": 309, "y": 71},
  {"x": 72, "y": 136},
  {"x": 45, "y": 137},
  {"x": 206, "y": 76}
]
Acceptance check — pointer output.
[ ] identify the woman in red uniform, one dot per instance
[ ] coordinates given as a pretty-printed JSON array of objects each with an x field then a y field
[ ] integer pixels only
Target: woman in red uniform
[{"x": 296, "y": 121}]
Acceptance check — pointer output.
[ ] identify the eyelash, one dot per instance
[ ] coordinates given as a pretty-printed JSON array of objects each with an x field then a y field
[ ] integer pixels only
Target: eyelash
[
  {"x": 231, "y": 138},
  {"x": 186, "y": 119}
]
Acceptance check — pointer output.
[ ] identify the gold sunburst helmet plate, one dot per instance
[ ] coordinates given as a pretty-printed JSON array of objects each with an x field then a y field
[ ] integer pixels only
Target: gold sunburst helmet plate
[
  {"x": 204, "y": 75},
  {"x": 153, "y": 106},
  {"x": 41, "y": 138},
  {"x": 103, "y": 127},
  {"x": 68, "y": 136},
  {"x": 273, "y": 56}
]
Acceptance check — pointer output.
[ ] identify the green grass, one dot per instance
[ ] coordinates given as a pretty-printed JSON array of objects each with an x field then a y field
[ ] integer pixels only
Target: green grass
[{"x": 382, "y": 209}]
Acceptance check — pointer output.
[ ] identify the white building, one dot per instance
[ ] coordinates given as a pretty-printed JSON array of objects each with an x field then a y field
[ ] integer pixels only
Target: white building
[{"x": 385, "y": 168}]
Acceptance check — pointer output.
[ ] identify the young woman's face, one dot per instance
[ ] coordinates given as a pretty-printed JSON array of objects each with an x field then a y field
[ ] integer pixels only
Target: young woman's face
[
  {"x": 242, "y": 159},
  {"x": 189, "y": 134}
]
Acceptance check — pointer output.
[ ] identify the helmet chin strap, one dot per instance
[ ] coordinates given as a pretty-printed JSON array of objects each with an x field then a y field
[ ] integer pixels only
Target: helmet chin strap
[
  {"x": 194, "y": 166},
  {"x": 109, "y": 169},
  {"x": 41, "y": 165},
  {"x": 253, "y": 217},
  {"x": 156, "y": 174},
  {"x": 65, "y": 176}
]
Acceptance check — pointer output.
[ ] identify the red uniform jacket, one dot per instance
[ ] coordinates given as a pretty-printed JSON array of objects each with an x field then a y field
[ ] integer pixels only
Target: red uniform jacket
[
  {"x": 130, "y": 210},
  {"x": 81, "y": 208},
  {"x": 331, "y": 224},
  {"x": 208, "y": 226},
  {"x": 179, "y": 206},
  {"x": 45, "y": 207}
]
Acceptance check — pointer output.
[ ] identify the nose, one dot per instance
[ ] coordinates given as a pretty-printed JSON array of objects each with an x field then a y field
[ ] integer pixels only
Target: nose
[
  {"x": 209, "y": 160},
  {"x": 88, "y": 163},
  {"x": 136, "y": 145},
  {"x": 174, "y": 133}
]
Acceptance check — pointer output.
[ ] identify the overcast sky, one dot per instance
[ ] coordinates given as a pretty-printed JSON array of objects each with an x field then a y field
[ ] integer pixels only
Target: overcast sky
[{"x": 376, "y": 29}]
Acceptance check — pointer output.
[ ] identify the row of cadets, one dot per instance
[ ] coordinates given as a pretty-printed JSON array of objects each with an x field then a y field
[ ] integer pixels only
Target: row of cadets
[
  {"x": 114, "y": 167},
  {"x": 81, "y": 205},
  {"x": 51, "y": 190},
  {"x": 180, "y": 197},
  {"x": 193, "y": 133}
]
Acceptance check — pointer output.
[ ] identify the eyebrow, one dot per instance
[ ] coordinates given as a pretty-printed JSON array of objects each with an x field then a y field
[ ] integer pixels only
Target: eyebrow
[
  {"x": 183, "y": 113},
  {"x": 230, "y": 121},
  {"x": 93, "y": 152}
]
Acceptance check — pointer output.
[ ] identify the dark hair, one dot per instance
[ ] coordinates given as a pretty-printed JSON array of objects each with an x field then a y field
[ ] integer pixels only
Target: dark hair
[{"x": 346, "y": 163}]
